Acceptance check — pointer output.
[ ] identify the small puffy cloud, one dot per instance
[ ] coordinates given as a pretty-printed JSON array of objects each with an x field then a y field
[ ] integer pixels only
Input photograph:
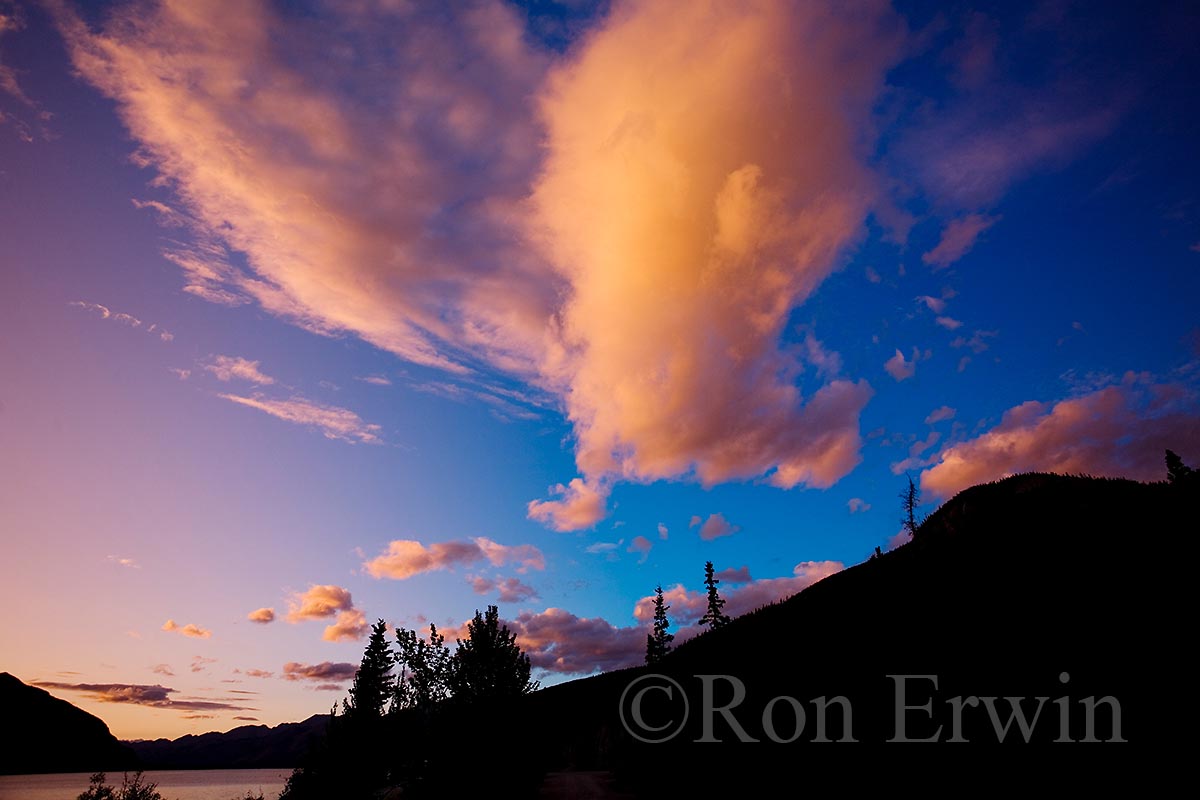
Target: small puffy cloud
[
  {"x": 510, "y": 590},
  {"x": 640, "y": 544},
  {"x": 262, "y": 615},
  {"x": 406, "y": 557},
  {"x": 192, "y": 630},
  {"x": 949, "y": 323},
  {"x": 182, "y": 374},
  {"x": 900, "y": 368},
  {"x": 559, "y": 641},
  {"x": 977, "y": 343},
  {"x": 319, "y": 602},
  {"x": 872, "y": 275},
  {"x": 325, "y": 672},
  {"x": 940, "y": 414},
  {"x": 351, "y": 625},
  {"x": 732, "y": 575},
  {"x": 694, "y": 521},
  {"x": 603, "y": 547},
  {"x": 958, "y": 237},
  {"x": 1117, "y": 431},
  {"x": 857, "y": 504},
  {"x": 228, "y": 368},
  {"x": 334, "y": 422},
  {"x": 663, "y": 533},
  {"x": 717, "y": 526},
  {"x": 141, "y": 695},
  {"x": 580, "y": 506},
  {"x": 935, "y": 304}
]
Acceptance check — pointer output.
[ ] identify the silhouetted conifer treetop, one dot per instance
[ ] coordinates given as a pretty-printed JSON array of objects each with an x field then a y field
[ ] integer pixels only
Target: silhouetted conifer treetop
[
  {"x": 910, "y": 500},
  {"x": 1177, "y": 471},
  {"x": 713, "y": 617},
  {"x": 373, "y": 683},
  {"x": 658, "y": 644}
]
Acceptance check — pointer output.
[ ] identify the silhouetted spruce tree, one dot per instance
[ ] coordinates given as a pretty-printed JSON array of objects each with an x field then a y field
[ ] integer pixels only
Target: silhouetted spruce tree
[
  {"x": 489, "y": 664},
  {"x": 713, "y": 617},
  {"x": 373, "y": 685},
  {"x": 658, "y": 644},
  {"x": 911, "y": 500},
  {"x": 1177, "y": 471},
  {"x": 424, "y": 678}
]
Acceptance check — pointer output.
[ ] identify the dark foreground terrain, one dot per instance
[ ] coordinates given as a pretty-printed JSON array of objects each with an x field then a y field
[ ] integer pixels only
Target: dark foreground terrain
[{"x": 1063, "y": 594}]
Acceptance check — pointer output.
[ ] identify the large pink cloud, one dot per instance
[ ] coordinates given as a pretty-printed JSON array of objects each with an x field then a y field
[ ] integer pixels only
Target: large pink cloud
[
  {"x": 1118, "y": 431},
  {"x": 627, "y": 230},
  {"x": 692, "y": 196},
  {"x": 407, "y": 557}
]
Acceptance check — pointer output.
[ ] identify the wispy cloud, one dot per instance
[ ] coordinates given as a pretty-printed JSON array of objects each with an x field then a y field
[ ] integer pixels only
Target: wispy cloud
[
  {"x": 334, "y": 422},
  {"x": 857, "y": 504},
  {"x": 122, "y": 318},
  {"x": 958, "y": 238},
  {"x": 405, "y": 558},
  {"x": 124, "y": 562},
  {"x": 325, "y": 672},
  {"x": 191, "y": 629},
  {"x": 228, "y": 368},
  {"x": 510, "y": 590},
  {"x": 139, "y": 694},
  {"x": 940, "y": 414}
]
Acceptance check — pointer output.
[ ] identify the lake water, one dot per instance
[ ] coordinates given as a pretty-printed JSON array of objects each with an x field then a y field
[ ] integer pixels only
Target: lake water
[{"x": 197, "y": 784}]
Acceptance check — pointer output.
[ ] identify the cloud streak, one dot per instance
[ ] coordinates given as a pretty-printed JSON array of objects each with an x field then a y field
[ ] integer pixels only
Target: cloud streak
[
  {"x": 191, "y": 629},
  {"x": 155, "y": 696},
  {"x": 332, "y": 421},
  {"x": 405, "y": 558}
]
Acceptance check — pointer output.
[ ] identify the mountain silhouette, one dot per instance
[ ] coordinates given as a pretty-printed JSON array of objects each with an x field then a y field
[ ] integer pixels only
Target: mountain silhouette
[
  {"x": 46, "y": 734},
  {"x": 244, "y": 747},
  {"x": 1037, "y": 588}
]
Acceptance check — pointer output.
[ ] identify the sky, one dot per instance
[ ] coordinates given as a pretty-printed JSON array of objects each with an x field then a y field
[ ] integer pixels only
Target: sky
[{"x": 319, "y": 313}]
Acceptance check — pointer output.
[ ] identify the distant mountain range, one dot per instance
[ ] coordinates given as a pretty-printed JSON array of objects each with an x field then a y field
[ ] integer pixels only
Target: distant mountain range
[
  {"x": 247, "y": 747},
  {"x": 45, "y": 734}
]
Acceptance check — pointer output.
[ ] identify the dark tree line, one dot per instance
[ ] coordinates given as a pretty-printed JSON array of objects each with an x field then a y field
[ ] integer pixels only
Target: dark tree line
[{"x": 399, "y": 703}]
